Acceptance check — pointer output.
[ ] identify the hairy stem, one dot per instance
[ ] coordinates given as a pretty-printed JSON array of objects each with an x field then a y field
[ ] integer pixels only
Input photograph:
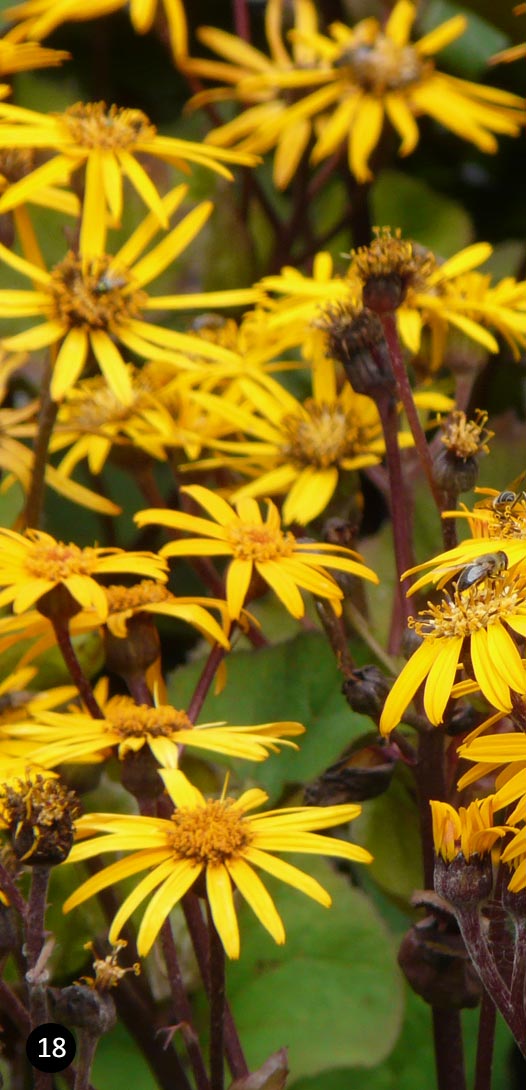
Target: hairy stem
[
  {"x": 406, "y": 395},
  {"x": 182, "y": 1009},
  {"x": 63, "y": 638},
  {"x": 217, "y": 1005},
  {"x": 36, "y": 975},
  {"x": 485, "y": 1043},
  {"x": 199, "y": 936}
]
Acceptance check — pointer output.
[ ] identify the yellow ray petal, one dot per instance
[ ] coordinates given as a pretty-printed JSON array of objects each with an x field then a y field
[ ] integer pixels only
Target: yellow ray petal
[
  {"x": 441, "y": 678},
  {"x": 407, "y": 684},
  {"x": 257, "y": 896},
  {"x": 219, "y": 890},
  {"x": 184, "y": 874}
]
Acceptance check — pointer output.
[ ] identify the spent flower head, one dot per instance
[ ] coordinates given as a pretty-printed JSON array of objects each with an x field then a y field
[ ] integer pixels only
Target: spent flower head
[{"x": 38, "y": 812}]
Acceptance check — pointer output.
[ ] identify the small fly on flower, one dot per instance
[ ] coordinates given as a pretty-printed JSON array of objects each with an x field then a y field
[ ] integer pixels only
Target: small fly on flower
[
  {"x": 489, "y": 564},
  {"x": 108, "y": 282}
]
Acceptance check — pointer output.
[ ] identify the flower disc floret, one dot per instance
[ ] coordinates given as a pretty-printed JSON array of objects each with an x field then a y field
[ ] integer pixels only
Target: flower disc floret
[
  {"x": 322, "y": 435},
  {"x": 85, "y": 294},
  {"x": 259, "y": 543},
  {"x": 483, "y": 604},
  {"x": 137, "y": 720},
  {"x": 94, "y": 125},
  {"x": 378, "y": 64},
  {"x": 217, "y": 832},
  {"x": 59, "y": 561}
]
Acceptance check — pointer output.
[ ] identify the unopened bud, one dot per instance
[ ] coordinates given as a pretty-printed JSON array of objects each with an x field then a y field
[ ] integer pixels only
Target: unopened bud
[
  {"x": 366, "y": 690},
  {"x": 464, "y": 884}
]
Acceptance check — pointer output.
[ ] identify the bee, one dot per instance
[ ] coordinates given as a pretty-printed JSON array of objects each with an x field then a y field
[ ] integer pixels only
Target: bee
[
  {"x": 508, "y": 499},
  {"x": 489, "y": 564}
]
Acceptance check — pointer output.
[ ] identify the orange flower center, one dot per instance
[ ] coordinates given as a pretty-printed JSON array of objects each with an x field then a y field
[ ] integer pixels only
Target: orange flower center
[
  {"x": 211, "y": 833},
  {"x": 143, "y": 594},
  {"x": 93, "y": 295},
  {"x": 59, "y": 561},
  {"x": 137, "y": 720},
  {"x": 93, "y": 125},
  {"x": 259, "y": 542},
  {"x": 92, "y": 404},
  {"x": 322, "y": 435},
  {"x": 488, "y": 602}
]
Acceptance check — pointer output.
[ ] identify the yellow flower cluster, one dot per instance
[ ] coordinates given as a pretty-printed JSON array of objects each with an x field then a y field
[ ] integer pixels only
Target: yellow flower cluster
[{"x": 222, "y": 434}]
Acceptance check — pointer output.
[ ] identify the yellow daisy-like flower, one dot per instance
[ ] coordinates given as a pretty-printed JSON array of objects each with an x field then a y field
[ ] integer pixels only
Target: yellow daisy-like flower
[
  {"x": 37, "y": 19},
  {"x": 92, "y": 304},
  {"x": 467, "y": 831},
  {"x": 475, "y": 619},
  {"x": 299, "y": 448},
  {"x": 498, "y": 525},
  {"x": 215, "y": 837},
  {"x": 54, "y": 738},
  {"x": 106, "y": 142},
  {"x": 347, "y": 86},
  {"x": 17, "y": 699},
  {"x": 17, "y": 702},
  {"x": 257, "y": 548},
  {"x": 33, "y": 563}
]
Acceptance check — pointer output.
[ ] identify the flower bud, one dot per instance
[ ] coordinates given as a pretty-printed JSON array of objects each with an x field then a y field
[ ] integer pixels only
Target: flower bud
[
  {"x": 366, "y": 690},
  {"x": 464, "y": 884},
  {"x": 133, "y": 654},
  {"x": 84, "y": 1008}
]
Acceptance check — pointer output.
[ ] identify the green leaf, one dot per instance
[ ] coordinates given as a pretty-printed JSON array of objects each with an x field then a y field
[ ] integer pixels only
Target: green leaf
[
  {"x": 332, "y": 994},
  {"x": 119, "y": 1062},
  {"x": 411, "y": 1064},
  {"x": 428, "y": 217},
  {"x": 389, "y": 827},
  {"x": 296, "y": 680}
]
